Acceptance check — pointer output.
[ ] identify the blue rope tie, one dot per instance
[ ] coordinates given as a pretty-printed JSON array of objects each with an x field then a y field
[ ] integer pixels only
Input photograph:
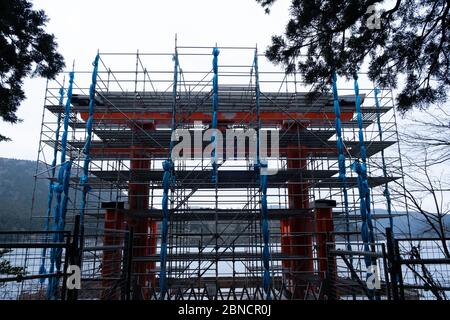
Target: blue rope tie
[
  {"x": 215, "y": 103},
  {"x": 341, "y": 155},
  {"x": 62, "y": 186},
  {"x": 84, "y": 179},
  {"x": 386, "y": 192}
]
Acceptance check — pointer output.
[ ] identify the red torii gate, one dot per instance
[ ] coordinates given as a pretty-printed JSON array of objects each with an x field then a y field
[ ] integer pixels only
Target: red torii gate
[{"x": 296, "y": 232}]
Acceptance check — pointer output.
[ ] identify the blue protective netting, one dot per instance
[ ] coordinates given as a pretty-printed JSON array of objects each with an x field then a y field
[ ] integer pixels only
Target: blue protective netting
[
  {"x": 363, "y": 185},
  {"x": 215, "y": 103},
  {"x": 84, "y": 179},
  {"x": 51, "y": 186},
  {"x": 261, "y": 168},
  {"x": 168, "y": 169},
  {"x": 341, "y": 156},
  {"x": 265, "y": 228},
  {"x": 168, "y": 179},
  {"x": 174, "y": 99},
  {"x": 60, "y": 188},
  {"x": 386, "y": 192}
]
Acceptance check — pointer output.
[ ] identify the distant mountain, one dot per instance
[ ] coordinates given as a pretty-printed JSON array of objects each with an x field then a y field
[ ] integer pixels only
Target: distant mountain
[
  {"x": 16, "y": 194},
  {"x": 418, "y": 226},
  {"x": 16, "y": 191}
]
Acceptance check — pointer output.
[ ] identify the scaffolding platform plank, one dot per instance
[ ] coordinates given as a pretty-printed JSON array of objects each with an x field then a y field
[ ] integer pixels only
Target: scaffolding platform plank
[
  {"x": 325, "y": 183},
  {"x": 108, "y": 149},
  {"x": 221, "y": 282},
  {"x": 222, "y": 214},
  {"x": 329, "y": 124},
  {"x": 220, "y": 256},
  {"x": 201, "y": 102},
  {"x": 298, "y": 105},
  {"x": 237, "y": 177}
]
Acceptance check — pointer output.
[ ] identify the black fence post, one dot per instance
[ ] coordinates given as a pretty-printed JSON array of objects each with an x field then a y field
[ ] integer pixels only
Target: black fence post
[
  {"x": 65, "y": 267},
  {"x": 395, "y": 268},
  {"x": 398, "y": 266},
  {"x": 123, "y": 271},
  {"x": 74, "y": 256},
  {"x": 330, "y": 283},
  {"x": 386, "y": 272},
  {"x": 128, "y": 261}
]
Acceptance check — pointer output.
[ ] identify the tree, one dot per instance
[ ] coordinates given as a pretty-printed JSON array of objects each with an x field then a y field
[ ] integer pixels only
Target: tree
[
  {"x": 426, "y": 197},
  {"x": 426, "y": 194},
  {"x": 5, "y": 266},
  {"x": 429, "y": 130},
  {"x": 425, "y": 138},
  {"x": 25, "y": 50},
  {"x": 411, "y": 38}
]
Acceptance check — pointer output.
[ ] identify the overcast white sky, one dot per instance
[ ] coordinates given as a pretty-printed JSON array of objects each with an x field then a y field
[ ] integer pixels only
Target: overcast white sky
[{"x": 84, "y": 26}]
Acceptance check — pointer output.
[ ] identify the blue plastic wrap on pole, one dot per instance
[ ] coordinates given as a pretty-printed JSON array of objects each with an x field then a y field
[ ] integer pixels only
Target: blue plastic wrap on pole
[
  {"x": 42, "y": 269},
  {"x": 341, "y": 155},
  {"x": 66, "y": 118},
  {"x": 362, "y": 146},
  {"x": 265, "y": 229},
  {"x": 168, "y": 168},
  {"x": 56, "y": 253},
  {"x": 174, "y": 99},
  {"x": 258, "y": 104},
  {"x": 67, "y": 167},
  {"x": 215, "y": 103},
  {"x": 168, "y": 178},
  {"x": 366, "y": 217},
  {"x": 386, "y": 192},
  {"x": 84, "y": 179},
  {"x": 363, "y": 185},
  {"x": 261, "y": 167},
  {"x": 62, "y": 186}
]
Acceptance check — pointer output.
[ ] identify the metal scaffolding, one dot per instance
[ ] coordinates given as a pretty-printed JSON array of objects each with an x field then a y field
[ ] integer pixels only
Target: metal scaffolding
[{"x": 211, "y": 226}]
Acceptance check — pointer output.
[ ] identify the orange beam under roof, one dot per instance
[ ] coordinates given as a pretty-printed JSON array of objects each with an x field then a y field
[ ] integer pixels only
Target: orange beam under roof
[
  {"x": 151, "y": 150},
  {"x": 235, "y": 117}
]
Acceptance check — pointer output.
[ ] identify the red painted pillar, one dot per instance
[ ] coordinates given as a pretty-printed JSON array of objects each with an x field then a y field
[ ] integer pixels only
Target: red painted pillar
[
  {"x": 112, "y": 257},
  {"x": 301, "y": 227},
  {"x": 327, "y": 268},
  {"x": 144, "y": 243},
  {"x": 325, "y": 228}
]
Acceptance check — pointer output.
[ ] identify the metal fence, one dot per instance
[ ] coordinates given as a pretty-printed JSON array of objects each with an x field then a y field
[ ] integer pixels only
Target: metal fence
[
  {"x": 405, "y": 269},
  {"x": 420, "y": 268},
  {"x": 348, "y": 277},
  {"x": 22, "y": 263},
  {"x": 106, "y": 272}
]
